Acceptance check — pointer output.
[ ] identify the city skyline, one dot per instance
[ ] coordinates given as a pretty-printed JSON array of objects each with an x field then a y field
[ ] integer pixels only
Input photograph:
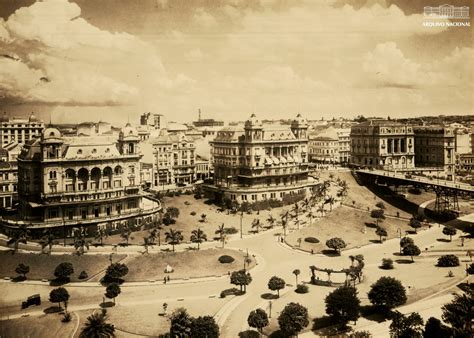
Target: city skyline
[{"x": 84, "y": 61}]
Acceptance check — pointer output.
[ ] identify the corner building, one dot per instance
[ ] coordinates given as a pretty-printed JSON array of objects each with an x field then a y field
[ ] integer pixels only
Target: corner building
[
  {"x": 257, "y": 162},
  {"x": 82, "y": 181}
]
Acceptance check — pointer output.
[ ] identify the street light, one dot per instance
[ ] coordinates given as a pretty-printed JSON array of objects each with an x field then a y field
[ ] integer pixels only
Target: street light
[{"x": 241, "y": 216}]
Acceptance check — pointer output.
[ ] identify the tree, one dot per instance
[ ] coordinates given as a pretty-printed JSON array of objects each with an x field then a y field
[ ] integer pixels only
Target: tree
[
  {"x": 181, "y": 323},
  {"x": 435, "y": 329},
  {"x": 336, "y": 244},
  {"x": 241, "y": 278},
  {"x": 296, "y": 272},
  {"x": 406, "y": 326},
  {"x": 112, "y": 291},
  {"x": 20, "y": 235},
  {"x": 96, "y": 326},
  {"x": 411, "y": 250},
  {"x": 221, "y": 232},
  {"x": 381, "y": 232},
  {"x": 271, "y": 221},
  {"x": 387, "y": 293},
  {"x": 343, "y": 304},
  {"x": 276, "y": 284},
  {"x": 204, "y": 326},
  {"x": 258, "y": 319},
  {"x": 378, "y": 215},
  {"x": 470, "y": 269},
  {"x": 404, "y": 242},
  {"x": 203, "y": 218},
  {"x": 256, "y": 224},
  {"x": 459, "y": 313},
  {"x": 173, "y": 212},
  {"x": 293, "y": 319},
  {"x": 115, "y": 272},
  {"x": 198, "y": 236},
  {"x": 47, "y": 240},
  {"x": 448, "y": 261},
  {"x": 449, "y": 231},
  {"x": 22, "y": 269},
  {"x": 63, "y": 271},
  {"x": 380, "y": 205},
  {"x": 173, "y": 237},
  {"x": 100, "y": 235},
  {"x": 126, "y": 233},
  {"x": 415, "y": 224},
  {"x": 59, "y": 295}
]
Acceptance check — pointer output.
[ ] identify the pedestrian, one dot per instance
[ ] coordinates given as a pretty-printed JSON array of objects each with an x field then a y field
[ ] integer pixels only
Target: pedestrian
[
  {"x": 164, "y": 280},
  {"x": 312, "y": 251},
  {"x": 168, "y": 278}
]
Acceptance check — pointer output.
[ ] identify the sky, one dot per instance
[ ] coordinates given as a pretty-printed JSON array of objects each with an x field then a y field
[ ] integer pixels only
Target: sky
[{"x": 110, "y": 60}]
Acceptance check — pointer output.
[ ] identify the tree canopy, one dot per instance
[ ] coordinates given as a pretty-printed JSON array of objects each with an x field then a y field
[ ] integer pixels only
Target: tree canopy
[
  {"x": 293, "y": 319},
  {"x": 410, "y": 326},
  {"x": 388, "y": 293},
  {"x": 336, "y": 244},
  {"x": 276, "y": 284},
  {"x": 343, "y": 304},
  {"x": 64, "y": 270},
  {"x": 258, "y": 319}
]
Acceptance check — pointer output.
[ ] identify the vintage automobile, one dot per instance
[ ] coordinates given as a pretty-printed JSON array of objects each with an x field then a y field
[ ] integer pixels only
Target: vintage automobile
[{"x": 32, "y": 300}]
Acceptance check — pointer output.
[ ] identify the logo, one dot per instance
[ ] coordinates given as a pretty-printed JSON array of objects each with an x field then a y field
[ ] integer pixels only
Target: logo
[{"x": 446, "y": 16}]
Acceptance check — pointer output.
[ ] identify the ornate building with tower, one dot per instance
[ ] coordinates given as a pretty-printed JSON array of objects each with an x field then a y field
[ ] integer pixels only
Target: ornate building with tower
[
  {"x": 257, "y": 161},
  {"x": 82, "y": 181}
]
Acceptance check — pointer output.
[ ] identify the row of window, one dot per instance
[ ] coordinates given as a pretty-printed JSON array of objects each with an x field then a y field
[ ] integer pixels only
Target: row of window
[{"x": 97, "y": 211}]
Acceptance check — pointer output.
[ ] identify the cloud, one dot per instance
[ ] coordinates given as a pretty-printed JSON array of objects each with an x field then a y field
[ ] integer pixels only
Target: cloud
[{"x": 204, "y": 19}]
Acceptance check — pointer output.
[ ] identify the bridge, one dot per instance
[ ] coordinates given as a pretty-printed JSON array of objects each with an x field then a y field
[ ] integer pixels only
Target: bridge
[{"x": 447, "y": 192}]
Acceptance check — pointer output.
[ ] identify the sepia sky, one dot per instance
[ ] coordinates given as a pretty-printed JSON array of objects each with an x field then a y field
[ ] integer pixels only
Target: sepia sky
[{"x": 112, "y": 60}]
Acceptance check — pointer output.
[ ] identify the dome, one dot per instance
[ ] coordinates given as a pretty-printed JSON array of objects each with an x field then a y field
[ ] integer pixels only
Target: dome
[
  {"x": 51, "y": 133},
  {"x": 33, "y": 118},
  {"x": 253, "y": 121}
]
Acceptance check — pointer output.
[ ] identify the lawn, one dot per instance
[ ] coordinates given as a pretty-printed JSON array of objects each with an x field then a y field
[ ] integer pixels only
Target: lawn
[
  {"x": 42, "y": 266},
  {"x": 40, "y": 326},
  {"x": 186, "y": 264},
  {"x": 347, "y": 223}
]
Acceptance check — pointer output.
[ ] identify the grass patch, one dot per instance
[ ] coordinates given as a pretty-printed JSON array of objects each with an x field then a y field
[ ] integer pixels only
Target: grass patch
[{"x": 42, "y": 326}]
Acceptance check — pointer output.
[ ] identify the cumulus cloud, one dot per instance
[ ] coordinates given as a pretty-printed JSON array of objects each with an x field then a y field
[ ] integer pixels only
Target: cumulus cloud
[{"x": 82, "y": 64}]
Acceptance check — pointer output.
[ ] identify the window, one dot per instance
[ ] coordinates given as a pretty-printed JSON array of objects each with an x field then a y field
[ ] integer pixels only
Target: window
[
  {"x": 94, "y": 151},
  {"x": 79, "y": 151},
  {"x": 52, "y": 175}
]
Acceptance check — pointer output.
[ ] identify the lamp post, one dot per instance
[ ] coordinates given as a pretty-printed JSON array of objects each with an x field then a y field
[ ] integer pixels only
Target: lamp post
[
  {"x": 270, "y": 309},
  {"x": 241, "y": 217}
]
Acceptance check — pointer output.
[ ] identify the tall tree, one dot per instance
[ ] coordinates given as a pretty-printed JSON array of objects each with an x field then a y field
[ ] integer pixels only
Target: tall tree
[
  {"x": 406, "y": 326},
  {"x": 181, "y": 323},
  {"x": 204, "y": 326},
  {"x": 258, "y": 319},
  {"x": 241, "y": 278},
  {"x": 276, "y": 284},
  {"x": 449, "y": 231},
  {"x": 296, "y": 272},
  {"x": 112, "y": 291},
  {"x": 198, "y": 236},
  {"x": 404, "y": 241},
  {"x": 96, "y": 326},
  {"x": 173, "y": 237},
  {"x": 459, "y": 314},
  {"x": 59, "y": 295},
  {"x": 343, "y": 304},
  {"x": 221, "y": 232},
  {"x": 411, "y": 250},
  {"x": 378, "y": 215},
  {"x": 293, "y": 319}
]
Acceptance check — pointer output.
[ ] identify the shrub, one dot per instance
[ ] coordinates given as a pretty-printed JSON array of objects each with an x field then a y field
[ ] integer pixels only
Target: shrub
[
  {"x": 448, "y": 261},
  {"x": 231, "y": 292},
  {"x": 387, "y": 263},
  {"x": 198, "y": 195},
  {"x": 230, "y": 231},
  {"x": 302, "y": 288},
  {"x": 66, "y": 318},
  {"x": 226, "y": 259},
  {"x": 83, "y": 275},
  {"x": 311, "y": 240},
  {"x": 187, "y": 203},
  {"x": 193, "y": 213}
]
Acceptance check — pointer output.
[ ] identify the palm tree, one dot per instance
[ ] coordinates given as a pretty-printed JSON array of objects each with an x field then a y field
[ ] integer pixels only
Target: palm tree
[
  {"x": 96, "y": 326},
  {"x": 126, "y": 233},
  {"x": 310, "y": 216},
  {"x": 352, "y": 258},
  {"x": 221, "y": 232},
  {"x": 271, "y": 220},
  {"x": 173, "y": 237},
  {"x": 256, "y": 224},
  {"x": 100, "y": 235},
  {"x": 198, "y": 236},
  {"x": 321, "y": 209},
  {"x": 146, "y": 243},
  {"x": 296, "y": 272},
  {"x": 21, "y": 235},
  {"x": 331, "y": 201},
  {"x": 47, "y": 240},
  {"x": 306, "y": 203}
]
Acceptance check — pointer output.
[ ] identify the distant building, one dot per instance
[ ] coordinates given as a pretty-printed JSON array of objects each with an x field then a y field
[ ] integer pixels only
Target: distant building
[
  {"x": 258, "y": 161},
  {"x": 88, "y": 181},
  {"x": 330, "y": 146},
  {"x": 21, "y": 130},
  {"x": 156, "y": 121},
  {"x": 207, "y": 122},
  {"x": 9, "y": 174},
  {"x": 92, "y": 128},
  {"x": 383, "y": 145},
  {"x": 466, "y": 162},
  {"x": 435, "y": 148},
  {"x": 174, "y": 159}
]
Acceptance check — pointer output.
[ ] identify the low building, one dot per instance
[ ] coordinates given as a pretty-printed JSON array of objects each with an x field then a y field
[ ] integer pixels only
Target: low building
[
  {"x": 207, "y": 122},
  {"x": 21, "y": 130},
  {"x": 382, "y": 144},
  {"x": 323, "y": 147},
  {"x": 435, "y": 148},
  {"x": 88, "y": 181},
  {"x": 174, "y": 159},
  {"x": 259, "y": 161},
  {"x": 466, "y": 163}
]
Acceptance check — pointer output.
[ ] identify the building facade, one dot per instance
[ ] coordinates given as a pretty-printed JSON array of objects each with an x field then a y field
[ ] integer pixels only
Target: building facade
[
  {"x": 383, "y": 145},
  {"x": 330, "y": 146},
  {"x": 174, "y": 159},
  {"x": 155, "y": 121},
  {"x": 257, "y": 162},
  {"x": 87, "y": 181},
  {"x": 435, "y": 148},
  {"x": 466, "y": 163},
  {"x": 20, "y": 130},
  {"x": 9, "y": 175}
]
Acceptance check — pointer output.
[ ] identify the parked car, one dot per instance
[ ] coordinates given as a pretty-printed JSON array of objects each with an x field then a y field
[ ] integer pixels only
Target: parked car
[{"x": 32, "y": 300}]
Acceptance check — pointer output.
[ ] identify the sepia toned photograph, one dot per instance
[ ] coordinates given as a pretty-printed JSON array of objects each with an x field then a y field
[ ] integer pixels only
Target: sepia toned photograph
[{"x": 236, "y": 168}]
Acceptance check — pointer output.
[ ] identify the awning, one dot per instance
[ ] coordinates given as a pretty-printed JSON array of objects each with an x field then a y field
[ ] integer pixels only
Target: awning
[
  {"x": 276, "y": 160},
  {"x": 268, "y": 160},
  {"x": 282, "y": 160}
]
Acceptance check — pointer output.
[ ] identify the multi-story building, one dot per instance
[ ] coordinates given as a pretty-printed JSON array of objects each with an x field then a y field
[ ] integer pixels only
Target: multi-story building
[
  {"x": 21, "y": 130},
  {"x": 256, "y": 161},
  {"x": 330, "y": 146},
  {"x": 174, "y": 159},
  {"x": 466, "y": 162},
  {"x": 435, "y": 148},
  {"x": 9, "y": 174},
  {"x": 383, "y": 145},
  {"x": 156, "y": 121},
  {"x": 88, "y": 181}
]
